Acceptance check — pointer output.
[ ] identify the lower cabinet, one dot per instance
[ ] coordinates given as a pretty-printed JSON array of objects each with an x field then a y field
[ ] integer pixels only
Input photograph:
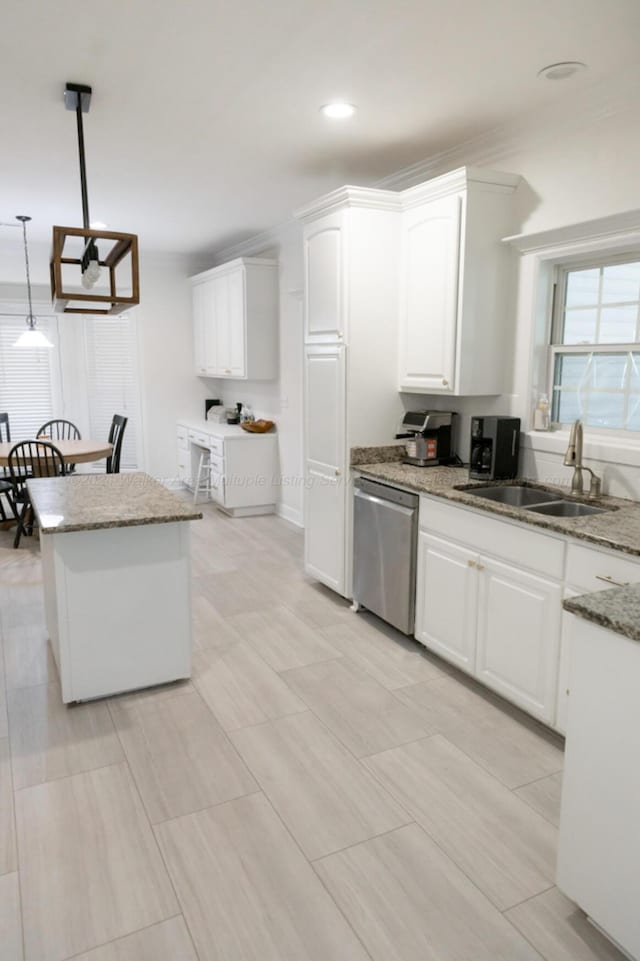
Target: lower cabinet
[
  {"x": 324, "y": 549},
  {"x": 446, "y": 600},
  {"x": 497, "y": 621},
  {"x": 519, "y": 616}
]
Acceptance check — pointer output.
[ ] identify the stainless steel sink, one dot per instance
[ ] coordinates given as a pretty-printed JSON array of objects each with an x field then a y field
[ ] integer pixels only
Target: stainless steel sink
[
  {"x": 513, "y": 495},
  {"x": 566, "y": 509}
]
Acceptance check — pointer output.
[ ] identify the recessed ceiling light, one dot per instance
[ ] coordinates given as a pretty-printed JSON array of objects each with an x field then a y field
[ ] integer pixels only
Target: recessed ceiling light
[
  {"x": 562, "y": 71},
  {"x": 98, "y": 225},
  {"x": 338, "y": 111}
]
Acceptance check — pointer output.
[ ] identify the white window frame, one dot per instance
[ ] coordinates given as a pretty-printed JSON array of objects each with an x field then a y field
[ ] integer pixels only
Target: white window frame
[
  {"x": 556, "y": 347},
  {"x": 617, "y": 235}
]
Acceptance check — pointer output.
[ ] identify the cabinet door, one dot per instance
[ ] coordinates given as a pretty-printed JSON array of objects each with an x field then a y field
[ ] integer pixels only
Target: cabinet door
[
  {"x": 200, "y": 307},
  {"x": 223, "y": 345},
  {"x": 324, "y": 533},
  {"x": 324, "y": 252},
  {"x": 519, "y": 617},
  {"x": 429, "y": 295},
  {"x": 446, "y": 600},
  {"x": 237, "y": 317}
]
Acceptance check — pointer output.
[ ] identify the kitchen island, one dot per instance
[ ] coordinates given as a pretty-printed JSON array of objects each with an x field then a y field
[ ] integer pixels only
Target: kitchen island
[
  {"x": 599, "y": 841},
  {"x": 115, "y": 557}
]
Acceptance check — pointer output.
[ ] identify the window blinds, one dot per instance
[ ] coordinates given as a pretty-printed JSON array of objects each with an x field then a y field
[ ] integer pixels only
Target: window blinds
[
  {"x": 111, "y": 364},
  {"x": 26, "y": 383}
]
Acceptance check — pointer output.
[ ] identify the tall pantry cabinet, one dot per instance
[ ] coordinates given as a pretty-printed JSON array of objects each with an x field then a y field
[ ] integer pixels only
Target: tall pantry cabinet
[{"x": 351, "y": 244}]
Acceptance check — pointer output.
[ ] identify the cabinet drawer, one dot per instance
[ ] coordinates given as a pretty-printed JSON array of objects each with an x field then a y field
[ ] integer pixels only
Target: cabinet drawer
[
  {"x": 197, "y": 438},
  {"x": 216, "y": 446},
  {"x": 592, "y": 570},
  {"x": 183, "y": 437},
  {"x": 216, "y": 486},
  {"x": 217, "y": 463},
  {"x": 512, "y": 542}
]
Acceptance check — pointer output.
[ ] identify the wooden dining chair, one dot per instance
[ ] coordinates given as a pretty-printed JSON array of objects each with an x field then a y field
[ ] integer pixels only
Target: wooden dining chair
[
  {"x": 116, "y": 434},
  {"x": 29, "y": 459},
  {"x": 6, "y": 487},
  {"x": 60, "y": 429}
]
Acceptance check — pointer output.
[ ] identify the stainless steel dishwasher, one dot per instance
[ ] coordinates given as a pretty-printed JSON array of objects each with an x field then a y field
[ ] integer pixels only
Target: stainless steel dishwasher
[{"x": 385, "y": 529}]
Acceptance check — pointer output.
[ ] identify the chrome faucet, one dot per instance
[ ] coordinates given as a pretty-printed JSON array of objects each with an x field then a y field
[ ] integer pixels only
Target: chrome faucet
[{"x": 573, "y": 458}]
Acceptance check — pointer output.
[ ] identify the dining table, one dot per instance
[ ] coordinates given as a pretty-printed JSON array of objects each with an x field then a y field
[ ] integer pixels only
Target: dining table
[{"x": 73, "y": 451}]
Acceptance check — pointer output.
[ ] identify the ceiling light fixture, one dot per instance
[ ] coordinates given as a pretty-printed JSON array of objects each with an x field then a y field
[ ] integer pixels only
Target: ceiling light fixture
[
  {"x": 77, "y": 97},
  {"x": 31, "y": 337},
  {"x": 338, "y": 110},
  {"x": 562, "y": 70}
]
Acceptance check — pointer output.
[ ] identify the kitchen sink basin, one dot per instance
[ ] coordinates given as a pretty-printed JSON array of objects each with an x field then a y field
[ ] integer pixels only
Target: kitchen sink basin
[
  {"x": 566, "y": 509},
  {"x": 513, "y": 495}
]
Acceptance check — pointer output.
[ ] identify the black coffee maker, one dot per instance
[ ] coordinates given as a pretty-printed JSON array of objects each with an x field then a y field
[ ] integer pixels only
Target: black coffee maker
[{"x": 495, "y": 446}]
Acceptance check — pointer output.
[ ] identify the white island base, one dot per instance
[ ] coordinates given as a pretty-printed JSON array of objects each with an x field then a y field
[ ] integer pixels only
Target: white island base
[
  {"x": 599, "y": 840},
  {"x": 118, "y": 607}
]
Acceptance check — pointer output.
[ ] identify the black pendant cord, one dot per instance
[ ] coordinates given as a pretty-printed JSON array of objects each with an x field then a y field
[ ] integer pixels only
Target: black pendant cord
[
  {"x": 30, "y": 319},
  {"x": 83, "y": 168}
]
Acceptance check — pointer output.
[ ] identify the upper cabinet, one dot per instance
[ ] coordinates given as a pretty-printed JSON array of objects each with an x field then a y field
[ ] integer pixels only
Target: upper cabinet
[
  {"x": 235, "y": 320},
  {"x": 324, "y": 253},
  {"x": 455, "y": 283}
]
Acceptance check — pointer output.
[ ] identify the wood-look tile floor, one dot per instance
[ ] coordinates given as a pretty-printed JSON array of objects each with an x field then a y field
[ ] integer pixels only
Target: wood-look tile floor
[{"x": 323, "y": 789}]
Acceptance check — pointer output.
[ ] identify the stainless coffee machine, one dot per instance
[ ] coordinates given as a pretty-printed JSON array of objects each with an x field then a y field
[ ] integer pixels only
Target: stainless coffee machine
[{"x": 429, "y": 435}]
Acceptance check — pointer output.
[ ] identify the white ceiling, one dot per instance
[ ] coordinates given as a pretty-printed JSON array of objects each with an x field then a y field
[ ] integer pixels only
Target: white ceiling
[{"x": 204, "y": 126}]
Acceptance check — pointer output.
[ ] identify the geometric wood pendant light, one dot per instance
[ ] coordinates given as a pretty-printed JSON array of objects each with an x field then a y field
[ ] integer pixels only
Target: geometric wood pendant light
[{"x": 82, "y": 255}]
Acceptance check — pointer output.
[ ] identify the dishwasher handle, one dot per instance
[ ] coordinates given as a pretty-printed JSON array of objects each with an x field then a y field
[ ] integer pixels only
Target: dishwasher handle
[{"x": 383, "y": 502}]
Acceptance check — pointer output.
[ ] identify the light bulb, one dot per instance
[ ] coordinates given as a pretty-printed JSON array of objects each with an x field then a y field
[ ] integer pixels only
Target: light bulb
[
  {"x": 338, "y": 111},
  {"x": 91, "y": 275}
]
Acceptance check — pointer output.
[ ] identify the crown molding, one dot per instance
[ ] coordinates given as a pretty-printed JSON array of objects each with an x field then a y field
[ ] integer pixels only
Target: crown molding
[
  {"x": 620, "y": 228},
  {"x": 457, "y": 180},
  {"x": 589, "y": 105},
  {"x": 253, "y": 245},
  {"x": 349, "y": 196}
]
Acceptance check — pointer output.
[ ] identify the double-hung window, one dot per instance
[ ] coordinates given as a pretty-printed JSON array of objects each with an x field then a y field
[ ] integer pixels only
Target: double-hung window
[{"x": 595, "y": 345}]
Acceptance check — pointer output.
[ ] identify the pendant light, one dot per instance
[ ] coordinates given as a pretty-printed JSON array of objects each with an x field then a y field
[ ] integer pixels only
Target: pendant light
[
  {"x": 31, "y": 337},
  {"x": 121, "y": 249}
]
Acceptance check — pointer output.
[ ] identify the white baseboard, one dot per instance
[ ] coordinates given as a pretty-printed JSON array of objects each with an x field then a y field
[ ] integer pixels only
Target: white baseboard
[{"x": 290, "y": 514}]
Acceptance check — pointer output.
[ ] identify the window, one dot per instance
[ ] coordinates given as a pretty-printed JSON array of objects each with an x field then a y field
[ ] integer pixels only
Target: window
[
  {"x": 111, "y": 365},
  {"x": 595, "y": 349},
  {"x": 27, "y": 377}
]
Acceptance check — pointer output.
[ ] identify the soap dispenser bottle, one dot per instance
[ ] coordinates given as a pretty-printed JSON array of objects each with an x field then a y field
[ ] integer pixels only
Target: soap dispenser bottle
[{"x": 541, "y": 417}]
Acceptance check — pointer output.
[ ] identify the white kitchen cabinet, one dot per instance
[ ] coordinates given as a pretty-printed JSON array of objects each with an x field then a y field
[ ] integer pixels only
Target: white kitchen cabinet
[
  {"x": 446, "y": 612},
  {"x": 519, "y": 616},
  {"x": 324, "y": 244},
  {"x": 429, "y": 294},
  {"x": 325, "y": 459},
  {"x": 350, "y": 245},
  {"x": 202, "y": 311},
  {"x": 496, "y": 616},
  {"x": 455, "y": 312},
  {"x": 235, "y": 315}
]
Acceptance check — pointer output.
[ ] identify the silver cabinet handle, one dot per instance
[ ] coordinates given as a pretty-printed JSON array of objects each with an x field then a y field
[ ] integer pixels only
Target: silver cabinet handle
[
  {"x": 338, "y": 472},
  {"x": 445, "y": 382},
  {"x": 610, "y": 580}
]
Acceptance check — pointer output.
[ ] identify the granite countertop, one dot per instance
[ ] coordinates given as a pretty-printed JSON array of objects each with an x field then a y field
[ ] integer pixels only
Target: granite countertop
[
  {"x": 617, "y": 609},
  {"x": 618, "y": 529},
  {"x": 89, "y": 502}
]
